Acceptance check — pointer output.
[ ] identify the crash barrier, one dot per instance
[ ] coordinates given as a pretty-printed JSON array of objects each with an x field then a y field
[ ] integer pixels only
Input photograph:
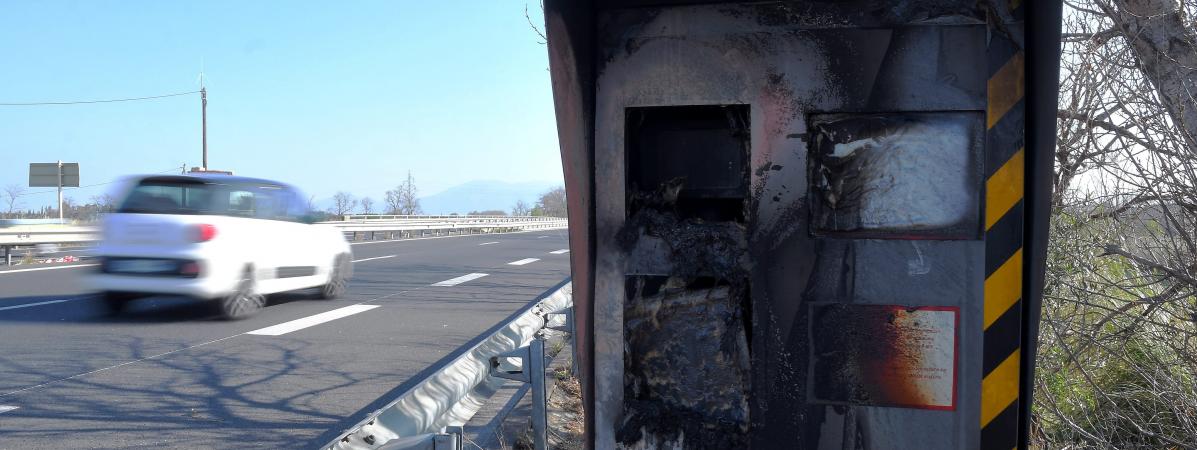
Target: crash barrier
[
  {"x": 431, "y": 413},
  {"x": 355, "y": 228},
  {"x": 401, "y": 227}
]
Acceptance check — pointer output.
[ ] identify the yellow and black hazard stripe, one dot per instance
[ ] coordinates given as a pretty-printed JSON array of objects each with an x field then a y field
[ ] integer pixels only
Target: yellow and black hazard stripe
[{"x": 1004, "y": 186}]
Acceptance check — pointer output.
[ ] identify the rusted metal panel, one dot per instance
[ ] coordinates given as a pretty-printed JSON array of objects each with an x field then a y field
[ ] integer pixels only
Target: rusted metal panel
[{"x": 570, "y": 65}]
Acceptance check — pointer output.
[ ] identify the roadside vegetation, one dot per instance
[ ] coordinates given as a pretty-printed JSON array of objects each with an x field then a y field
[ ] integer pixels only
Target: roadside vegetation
[{"x": 1117, "y": 356}]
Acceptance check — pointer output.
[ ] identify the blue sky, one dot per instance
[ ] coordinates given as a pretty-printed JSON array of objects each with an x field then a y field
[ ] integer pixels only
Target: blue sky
[{"x": 326, "y": 95}]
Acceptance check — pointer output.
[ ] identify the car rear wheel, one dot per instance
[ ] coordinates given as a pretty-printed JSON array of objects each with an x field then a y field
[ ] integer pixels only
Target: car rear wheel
[
  {"x": 244, "y": 301},
  {"x": 336, "y": 279}
]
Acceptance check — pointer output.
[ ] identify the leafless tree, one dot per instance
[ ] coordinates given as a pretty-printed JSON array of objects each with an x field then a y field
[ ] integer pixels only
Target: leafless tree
[
  {"x": 404, "y": 199},
  {"x": 343, "y": 203},
  {"x": 1117, "y": 365},
  {"x": 312, "y": 203},
  {"x": 367, "y": 205},
  {"x": 537, "y": 29},
  {"x": 552, "y": 203},
  {"x": 521, "y": 208},
  {"x": 104, "y": 203},
  {"x": 12, "y": 195}
]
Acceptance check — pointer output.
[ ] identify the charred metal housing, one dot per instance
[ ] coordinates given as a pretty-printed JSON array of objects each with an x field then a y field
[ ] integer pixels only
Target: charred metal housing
[{"x": 805, "y": 224}]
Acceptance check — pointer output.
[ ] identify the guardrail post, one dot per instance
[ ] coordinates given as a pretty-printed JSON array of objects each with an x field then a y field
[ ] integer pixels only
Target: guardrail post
[
  {"x": 532, "y": 371},
  {"x": 540, "y": 406},
  {"x": 7, "y": 255},
  {"x": 452, "y": 439}
]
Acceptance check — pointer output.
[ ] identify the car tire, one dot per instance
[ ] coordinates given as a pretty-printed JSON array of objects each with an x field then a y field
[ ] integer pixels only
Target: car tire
[
  {"x": 116, "y": 302},
  {"x": 243, "y": 301},
  {"x": 336, "y": 280}
]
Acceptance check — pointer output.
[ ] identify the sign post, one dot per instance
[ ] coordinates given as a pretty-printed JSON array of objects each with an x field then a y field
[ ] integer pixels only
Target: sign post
[{"x": 56, "y": 174}]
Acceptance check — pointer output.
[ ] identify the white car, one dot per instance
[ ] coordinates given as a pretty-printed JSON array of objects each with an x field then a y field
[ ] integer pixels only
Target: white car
[{"x": 222, "y": 238}]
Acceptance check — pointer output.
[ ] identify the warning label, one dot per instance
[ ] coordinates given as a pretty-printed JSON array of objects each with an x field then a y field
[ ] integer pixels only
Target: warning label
[{"x": 883, "y": 355}]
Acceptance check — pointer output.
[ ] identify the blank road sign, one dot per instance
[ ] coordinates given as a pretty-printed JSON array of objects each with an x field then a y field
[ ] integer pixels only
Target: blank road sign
[{"x": 46, "y": 174}]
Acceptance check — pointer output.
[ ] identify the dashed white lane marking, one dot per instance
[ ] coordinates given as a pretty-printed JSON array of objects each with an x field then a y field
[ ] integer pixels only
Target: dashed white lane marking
[
  {"x": 7, "y": 408},
  {"x": 35, "y": 304},
  {"x": 558, "y": 252},
  {"x": 523, "y": 261},
  {"x": 374, "y": 258},
  {"x": 48, "y": 268},
  {"x": 135, "y": 361},
  {"x": 461, "y": 279},
  {"x": 488, "y": 243},
  {"x": 541, "y": 237},
  {"x": 299, "y": 324}
]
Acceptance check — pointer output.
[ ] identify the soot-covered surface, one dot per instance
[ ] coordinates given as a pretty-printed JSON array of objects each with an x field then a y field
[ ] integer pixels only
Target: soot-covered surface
[{"x": 691, "y": 389}]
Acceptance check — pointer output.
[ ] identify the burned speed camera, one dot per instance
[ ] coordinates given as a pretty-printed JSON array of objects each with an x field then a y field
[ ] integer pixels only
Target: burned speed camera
[{"x": 802, "y": 224}]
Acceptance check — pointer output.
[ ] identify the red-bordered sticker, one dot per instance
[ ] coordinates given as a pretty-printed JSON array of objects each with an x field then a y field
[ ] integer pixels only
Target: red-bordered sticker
[{"x": 884, "y": 355}]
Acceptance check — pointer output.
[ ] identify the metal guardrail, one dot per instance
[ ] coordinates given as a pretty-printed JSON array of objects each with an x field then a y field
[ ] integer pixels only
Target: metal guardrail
[
  {"x": 442, "y": 224},
  {"x": 374, "y": 217},
  {"x": 438, "y": 405},
  {"x": 370, "y": 228},
  {"x": 46, "y": 234}
]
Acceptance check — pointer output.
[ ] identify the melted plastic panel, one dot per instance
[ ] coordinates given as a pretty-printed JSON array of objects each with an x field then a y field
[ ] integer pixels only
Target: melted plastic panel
[
  {"x": 692, "y": 389},
  {"x": 686, "y": 314},
  {"x": 896, "y": 175}
]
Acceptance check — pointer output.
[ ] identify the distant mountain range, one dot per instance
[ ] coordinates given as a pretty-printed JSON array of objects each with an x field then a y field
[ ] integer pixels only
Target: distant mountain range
[{"x": 482, "y": 195}]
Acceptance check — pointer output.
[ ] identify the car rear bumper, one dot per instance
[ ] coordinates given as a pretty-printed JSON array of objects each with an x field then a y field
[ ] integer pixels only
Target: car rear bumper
[{"x": 204, "y": 287}]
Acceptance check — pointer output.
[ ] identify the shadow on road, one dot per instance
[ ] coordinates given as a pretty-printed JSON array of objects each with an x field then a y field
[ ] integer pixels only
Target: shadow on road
[
  {"x": 265, "y": 396},
  {"x": 88, "y": 308}
]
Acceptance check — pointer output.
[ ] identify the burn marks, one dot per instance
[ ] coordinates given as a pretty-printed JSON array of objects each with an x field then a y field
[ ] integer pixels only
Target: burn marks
[
  {"x": 687, "y": 314},
  {"x": 903, "y": 175},
  {"x": 686, "y": 362}
]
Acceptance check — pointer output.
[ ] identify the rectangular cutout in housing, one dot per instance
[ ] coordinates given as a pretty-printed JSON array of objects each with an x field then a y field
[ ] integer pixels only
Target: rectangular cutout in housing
[
  {"x": 701, "y": 152},
  {"x": 897, "y": 175}
]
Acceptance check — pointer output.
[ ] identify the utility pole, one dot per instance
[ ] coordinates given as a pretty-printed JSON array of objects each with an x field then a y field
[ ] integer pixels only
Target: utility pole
[
  {"x": 204, "y": 107},
  {"x": 60, "y": 190}
]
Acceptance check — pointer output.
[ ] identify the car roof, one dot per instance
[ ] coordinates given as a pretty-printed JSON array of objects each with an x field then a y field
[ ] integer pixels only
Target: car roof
[{"x": 211, "y": 178}]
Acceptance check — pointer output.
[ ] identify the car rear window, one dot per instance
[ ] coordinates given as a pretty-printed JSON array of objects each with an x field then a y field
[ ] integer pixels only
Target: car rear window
[{"x": 173, "y": 196}]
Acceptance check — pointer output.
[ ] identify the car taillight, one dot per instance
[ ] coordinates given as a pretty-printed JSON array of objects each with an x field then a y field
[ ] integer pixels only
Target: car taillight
[{"x": 204, "y": 233}]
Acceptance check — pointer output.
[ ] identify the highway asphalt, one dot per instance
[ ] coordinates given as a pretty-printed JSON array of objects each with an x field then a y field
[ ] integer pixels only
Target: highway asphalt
[{"x": 168, "y": 373}]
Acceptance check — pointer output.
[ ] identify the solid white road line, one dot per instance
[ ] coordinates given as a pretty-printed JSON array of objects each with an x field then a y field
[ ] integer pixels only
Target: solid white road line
[
  {"x": 48, "y": 268},
  {"x": 488, "y": 243},
  {"x": 7, "y": 408},
  {"x": 374, "y": 258},
  {"x": 461, "y": 279},
  {"x": 35, "y": 304},
  {"x": 523, "y": 261},
  {"x": 558, "y": 252},
  {"x": 299, "y": 324}
]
